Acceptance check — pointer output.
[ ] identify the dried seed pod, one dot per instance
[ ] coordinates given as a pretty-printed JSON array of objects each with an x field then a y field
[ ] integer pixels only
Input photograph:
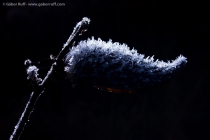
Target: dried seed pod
[{"x": 115, "y": 66}]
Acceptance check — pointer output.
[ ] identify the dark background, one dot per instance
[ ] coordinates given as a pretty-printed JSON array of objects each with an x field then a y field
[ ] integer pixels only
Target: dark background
[{"x": 177, "y": 110}]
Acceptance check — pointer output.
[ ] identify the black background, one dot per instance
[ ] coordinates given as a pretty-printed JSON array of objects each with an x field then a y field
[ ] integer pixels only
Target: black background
[{"x": 177, "y": 110}]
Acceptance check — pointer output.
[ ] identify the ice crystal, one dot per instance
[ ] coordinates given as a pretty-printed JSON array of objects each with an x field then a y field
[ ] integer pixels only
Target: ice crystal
[{"x": 96, "y": 62}]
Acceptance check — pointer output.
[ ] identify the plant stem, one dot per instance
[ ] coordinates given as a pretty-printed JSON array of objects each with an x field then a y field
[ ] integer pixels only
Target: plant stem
[{"x": 39, "y": 88}]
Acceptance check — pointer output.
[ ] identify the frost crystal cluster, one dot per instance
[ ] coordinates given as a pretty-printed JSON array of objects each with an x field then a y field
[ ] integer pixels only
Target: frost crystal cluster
[
  {"x": 96, "y": 62},
  {"x": 32, "y": 72}
]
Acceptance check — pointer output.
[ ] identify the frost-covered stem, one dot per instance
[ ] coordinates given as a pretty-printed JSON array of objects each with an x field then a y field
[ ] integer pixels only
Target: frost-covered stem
[
  {"x": 39, "y": 88},
  {"x": 78, "y": 30},
  {"x": 25, "y": 115}
]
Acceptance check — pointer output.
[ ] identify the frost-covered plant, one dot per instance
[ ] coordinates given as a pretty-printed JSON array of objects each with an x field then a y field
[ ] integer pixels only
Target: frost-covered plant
[
  {"x": 39, "y": 84},
  {"x": 100, "y": 64},
  {"x": 108, "y": 64}
]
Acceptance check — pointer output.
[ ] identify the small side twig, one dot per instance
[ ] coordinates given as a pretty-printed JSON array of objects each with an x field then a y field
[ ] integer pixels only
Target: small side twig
[{"x": 39, "y": 87}]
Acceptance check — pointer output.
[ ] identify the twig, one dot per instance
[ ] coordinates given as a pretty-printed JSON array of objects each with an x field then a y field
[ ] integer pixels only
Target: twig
[{"x": 39, "y": 88}]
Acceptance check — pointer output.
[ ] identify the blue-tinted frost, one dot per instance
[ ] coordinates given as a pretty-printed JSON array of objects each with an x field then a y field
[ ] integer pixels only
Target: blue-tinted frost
[
  {"x": 32, "y": 72},
  {"x": 96, "y": 62}
]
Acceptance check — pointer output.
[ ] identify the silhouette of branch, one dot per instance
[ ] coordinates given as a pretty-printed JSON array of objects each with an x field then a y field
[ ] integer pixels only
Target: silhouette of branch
[{"x": 39, "y": 84}]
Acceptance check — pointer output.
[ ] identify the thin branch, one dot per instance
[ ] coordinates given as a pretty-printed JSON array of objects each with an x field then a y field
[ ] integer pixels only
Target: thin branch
[{"x": 39, "y": 88}]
